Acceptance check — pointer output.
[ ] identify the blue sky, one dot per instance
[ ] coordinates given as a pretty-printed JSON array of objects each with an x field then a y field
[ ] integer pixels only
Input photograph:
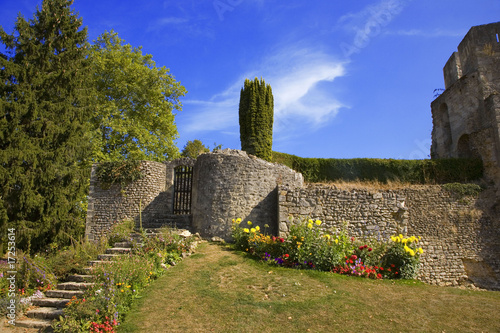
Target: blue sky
[{"x": 349, "y": 78}]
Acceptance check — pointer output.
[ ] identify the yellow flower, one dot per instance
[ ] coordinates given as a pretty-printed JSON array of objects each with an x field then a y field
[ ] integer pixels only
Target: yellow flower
[
  {"x": 401, "y": 236},
  {"x": 310, "y": 225},
  {"x": 318, "y": 222},
  {"x": 249, "y": 223},
  {"x": 246, "y": 230},
  {"x": 238, "y": 220},
  {"x": 310, "y": 221},
  {"x": 257, "y": 228},
  {"x": 420, "y": 250},
  {"x": 129, "y": 286},
  {"x": 327, "y": 236},
  {"x": 336, "y": 241},
  {"x": 253, "y": 230},
  {"x": 412, "y": 253},
  {"x": 122, "y": 290}
]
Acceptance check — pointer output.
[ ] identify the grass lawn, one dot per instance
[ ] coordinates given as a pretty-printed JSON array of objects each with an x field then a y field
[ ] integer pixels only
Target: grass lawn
[{"x": 218, "y": 290}]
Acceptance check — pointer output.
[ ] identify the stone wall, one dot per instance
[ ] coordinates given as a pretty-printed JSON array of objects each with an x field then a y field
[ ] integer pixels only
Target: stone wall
[
  {"x": 106, "y": 206},
  {"x": 461, "y": 236},
  {"x": 230, "y": 184}
]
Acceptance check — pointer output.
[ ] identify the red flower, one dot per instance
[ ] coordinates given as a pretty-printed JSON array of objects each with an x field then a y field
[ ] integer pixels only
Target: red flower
[
  {"x": 392, "y": 265},
  {"x": 381, "y": 268},
  {"x": 365, "y": 246},
  {"x": 369, "y": 249},
  {"x": 389, "y": 269},
  {"x": 282, "y": 240},
  {"x": 361, "y": 247},
  {"x": 286, "y": 255}
]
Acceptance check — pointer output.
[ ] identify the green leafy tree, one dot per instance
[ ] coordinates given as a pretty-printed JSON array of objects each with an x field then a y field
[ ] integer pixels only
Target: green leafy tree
[
  {"x": 194, "y": 148},
  {"x": 256, "y": 112},
  {"x": 136, "y": 103},
  {"x": 45, "y": 109}
]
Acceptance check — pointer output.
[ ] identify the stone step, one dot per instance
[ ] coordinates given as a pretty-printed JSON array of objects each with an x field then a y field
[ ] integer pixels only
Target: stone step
[
  {"x": 118, "y": 250},
  {"x": 107, "y": 256},
  {"x": 99, "y": 262},
  {"x": 74, "y": 285},
  {"x": 123, "y": 244},
  {"x": 80, "y": 278},
  {"x": 44, "y": 313},
  {"x": 34, "y": 323},
  {"x": 63, "y": 293},
  {"x": 50, "y": 302}
]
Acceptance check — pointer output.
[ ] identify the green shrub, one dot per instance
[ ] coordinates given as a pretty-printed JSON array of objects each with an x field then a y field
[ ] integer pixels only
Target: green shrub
[
  {"x": 462, "y": 190},
  {"x": 436, "y": 171},
  {"x": 120, "y": 232}
]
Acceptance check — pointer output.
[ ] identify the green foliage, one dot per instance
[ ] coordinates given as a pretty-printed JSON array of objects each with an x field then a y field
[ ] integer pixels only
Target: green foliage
[
  {"x": 120, "y": 232},
  {"x": 193, "y": 149},
  {"x": 118, "y": 172},
  {"x": 74, "y": 258},
  {"x": 45, "y": 107},
  {"x": 463, "y": 190},
  {"x": 256, "y": 113},
  {"x": 383, "y": 170},
  {"x": 136, "y": 103}
]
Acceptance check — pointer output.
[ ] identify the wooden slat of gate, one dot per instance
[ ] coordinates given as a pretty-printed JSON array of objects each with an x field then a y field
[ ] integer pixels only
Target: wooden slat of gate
[{"x": 182, "y": 190}]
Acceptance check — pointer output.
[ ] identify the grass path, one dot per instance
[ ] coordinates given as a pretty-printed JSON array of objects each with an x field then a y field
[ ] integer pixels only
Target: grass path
[{"x": 217, "y": 290}]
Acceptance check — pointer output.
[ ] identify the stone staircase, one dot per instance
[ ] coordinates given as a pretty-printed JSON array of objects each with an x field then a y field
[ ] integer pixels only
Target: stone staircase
[{"x": 51, "y": 306}]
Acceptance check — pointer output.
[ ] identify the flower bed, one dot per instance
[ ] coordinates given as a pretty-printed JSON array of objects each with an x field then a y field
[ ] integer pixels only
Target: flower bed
[{"x": 311, "y": 247}]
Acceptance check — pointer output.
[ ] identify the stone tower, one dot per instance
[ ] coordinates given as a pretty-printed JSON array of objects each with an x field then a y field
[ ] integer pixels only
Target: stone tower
[{"x": 466, "y": 116}]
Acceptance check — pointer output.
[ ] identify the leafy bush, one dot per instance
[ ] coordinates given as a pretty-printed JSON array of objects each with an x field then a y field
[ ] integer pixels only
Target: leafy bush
[
  {"x": 402, "y": 258},
  {"x": 462, "y": 190},
  {"x": 120, "y": 231},
  {"x": 118, "y": 172}
]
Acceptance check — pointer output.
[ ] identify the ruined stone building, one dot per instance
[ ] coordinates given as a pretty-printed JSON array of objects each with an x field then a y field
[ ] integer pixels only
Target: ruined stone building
[{"x": 466, "y": 116}]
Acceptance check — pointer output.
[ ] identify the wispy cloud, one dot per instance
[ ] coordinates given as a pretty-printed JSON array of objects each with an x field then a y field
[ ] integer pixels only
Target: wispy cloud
[
  {"x": 423, "y": 33},
  {"x": 295, "y": 75}
]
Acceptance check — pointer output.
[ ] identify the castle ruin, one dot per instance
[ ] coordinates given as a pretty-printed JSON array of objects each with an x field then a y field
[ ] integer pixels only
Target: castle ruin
[
  {"x": 466, "y": 116},
  {"x": 461, "y": 238}
]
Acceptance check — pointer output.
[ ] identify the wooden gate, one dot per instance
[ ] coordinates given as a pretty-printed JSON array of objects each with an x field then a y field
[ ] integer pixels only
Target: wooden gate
[{"x": 183, "y": 180}]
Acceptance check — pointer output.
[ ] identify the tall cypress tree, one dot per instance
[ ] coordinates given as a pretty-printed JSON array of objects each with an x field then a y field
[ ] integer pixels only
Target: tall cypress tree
[
  {"x": 45, "y": 107},
  {"x": 256, "y": 113}
]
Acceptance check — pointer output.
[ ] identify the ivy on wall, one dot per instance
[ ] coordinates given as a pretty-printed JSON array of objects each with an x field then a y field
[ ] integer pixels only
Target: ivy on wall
[{"x": 118, "y": 172}]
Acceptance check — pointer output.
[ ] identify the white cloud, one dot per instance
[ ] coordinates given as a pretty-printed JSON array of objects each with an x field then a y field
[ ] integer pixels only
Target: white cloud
[
  {"x": 421, "y": 33},
  {"x": 295, "y": 75}
]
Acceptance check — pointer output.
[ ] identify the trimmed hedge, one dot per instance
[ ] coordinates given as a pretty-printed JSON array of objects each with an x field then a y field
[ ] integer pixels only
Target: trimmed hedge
[{"x": 436, "y": 171}]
